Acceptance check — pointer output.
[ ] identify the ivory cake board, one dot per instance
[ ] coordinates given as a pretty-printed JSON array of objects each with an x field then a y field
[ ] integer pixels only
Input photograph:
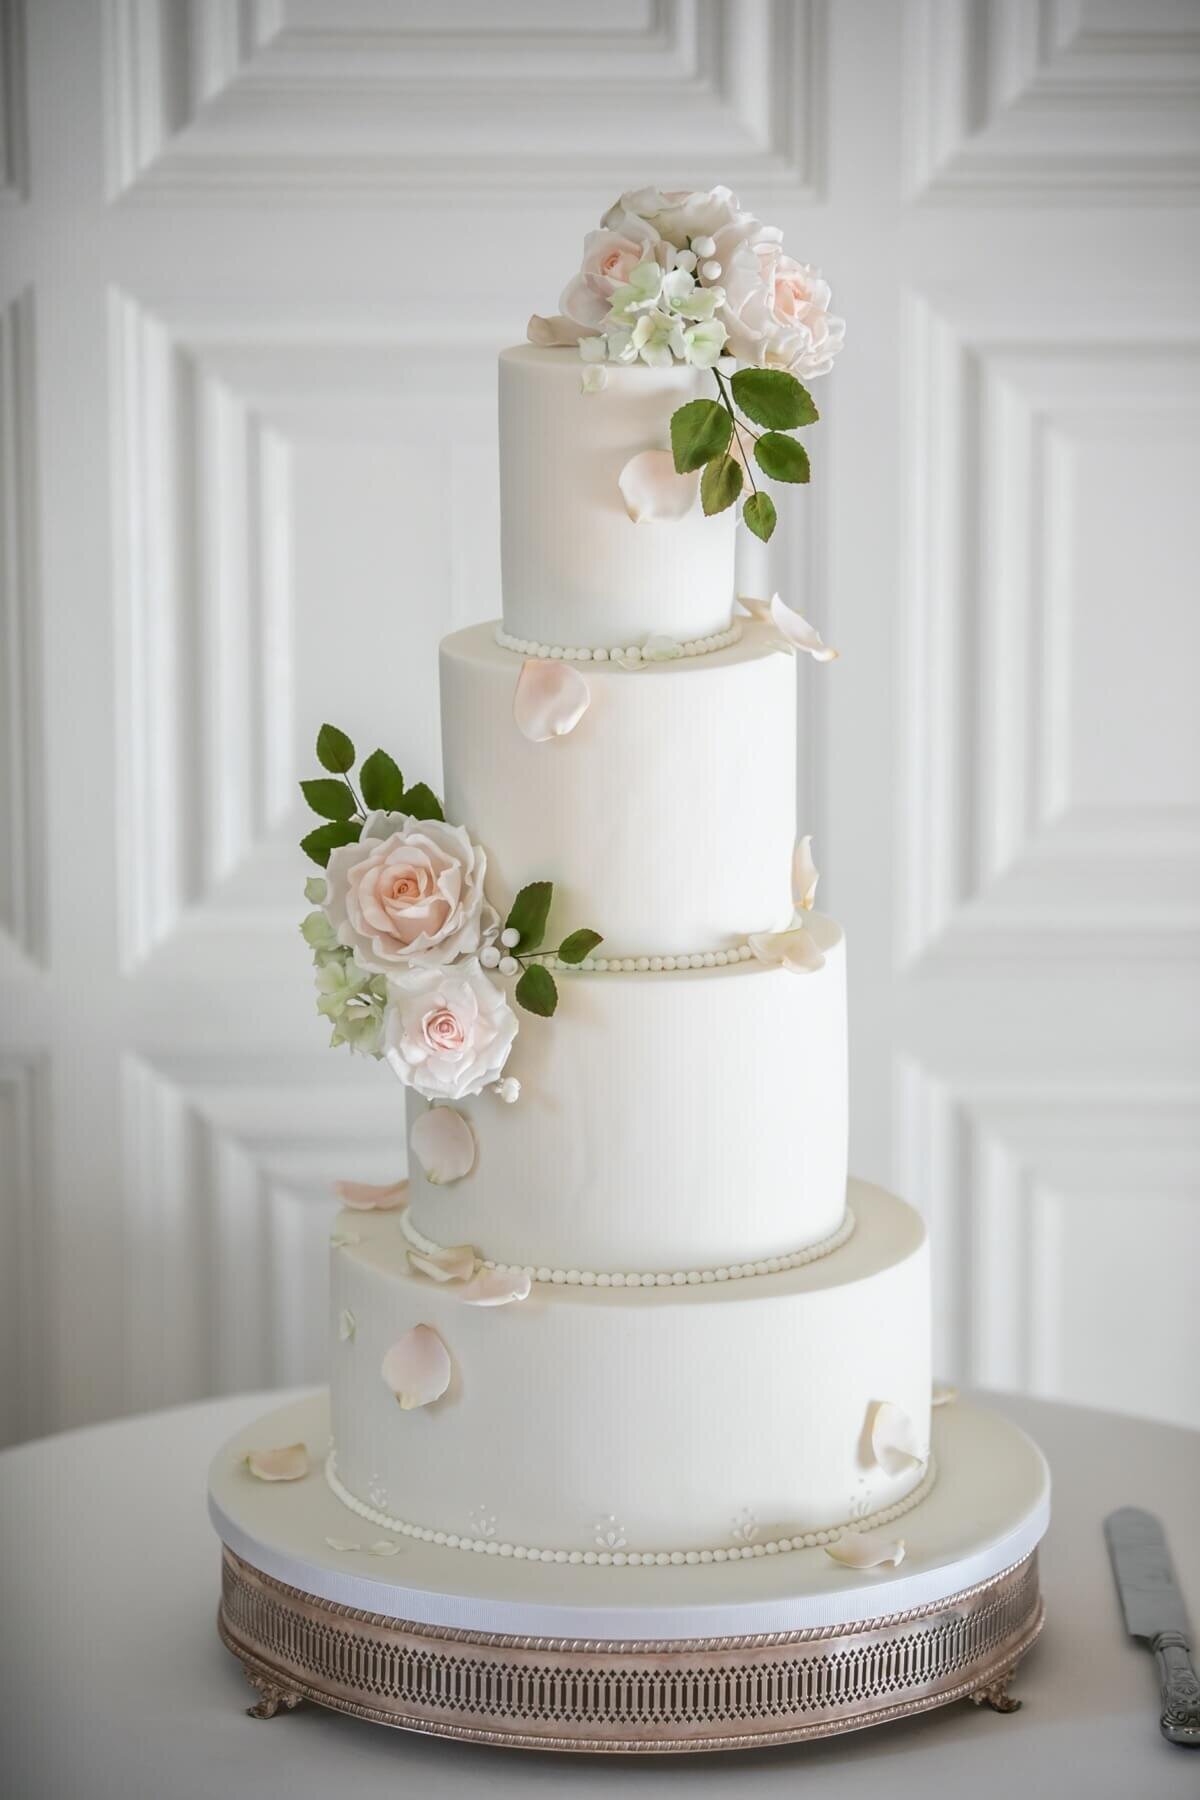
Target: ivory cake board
[{"x": 987, "y": 1511}]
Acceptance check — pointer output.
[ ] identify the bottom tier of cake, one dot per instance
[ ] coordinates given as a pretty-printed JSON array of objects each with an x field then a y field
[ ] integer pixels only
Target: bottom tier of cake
[{"x": 623, "y": 1425}]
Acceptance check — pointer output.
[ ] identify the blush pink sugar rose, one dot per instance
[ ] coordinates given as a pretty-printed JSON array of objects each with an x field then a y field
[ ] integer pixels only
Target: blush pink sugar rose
[
  {"x": 449, "y": 1031},
  {"x": 409, "y": 894}
]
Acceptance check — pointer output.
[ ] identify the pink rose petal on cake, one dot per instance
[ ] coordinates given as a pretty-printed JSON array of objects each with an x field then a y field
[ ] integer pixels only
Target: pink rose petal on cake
[
  {"x": 417, "y": 1368},
  {"x": 496, "y": 1287},
  {"x": 550, "y": 699},
  {"x": 360, "y": 1196},
  {"x": 444, "y": 1145},
  {"x": 805, "y": 875},
  {"x": 795, "y": 949},
  {"x": 796, "y": 633},
  {"x": 457, "y": 1263},
  {"x": 894, "y": 1439},
  {"x": 867, "y": 1550},
  {"x": 555, "y": 331},
  {"x": 288, "y": 1464},
  {"x": 653, "y": 489}
]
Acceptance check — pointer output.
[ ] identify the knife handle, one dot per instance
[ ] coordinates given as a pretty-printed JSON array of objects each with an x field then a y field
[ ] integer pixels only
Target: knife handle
[{"x": 1180, "y": 1720}]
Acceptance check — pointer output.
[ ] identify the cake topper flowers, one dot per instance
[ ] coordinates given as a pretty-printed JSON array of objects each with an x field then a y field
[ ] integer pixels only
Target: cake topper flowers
[
  {"x": 409, "y": 952},
  {"x": 692, "y": 278}
]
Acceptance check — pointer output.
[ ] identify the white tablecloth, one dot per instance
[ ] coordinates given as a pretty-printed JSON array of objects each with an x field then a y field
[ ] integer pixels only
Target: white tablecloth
[{"x": 114, "y": 1686}]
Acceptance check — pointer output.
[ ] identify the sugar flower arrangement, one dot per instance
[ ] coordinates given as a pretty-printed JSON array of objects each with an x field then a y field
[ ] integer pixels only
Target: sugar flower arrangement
[
  {"x": 691, "y": 278},
  {"x": 409, "y": 952}
]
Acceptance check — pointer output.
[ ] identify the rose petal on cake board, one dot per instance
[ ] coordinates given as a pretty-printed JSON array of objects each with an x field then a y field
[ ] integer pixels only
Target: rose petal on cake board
[
  {"x": 495, "y": 1287},
  {"x": 342, "y": 1544},
  {"x": 894, "y": 1440},
  {"x": 361, "y": 1196},
  {"x": 795, "y": 949},
  {"x": 805, "y": 875},
  {"x": 417, "y": 1368},
  {"x": 287, "y": 1464},
  {"x": 455, "y": 1263},
  {"x": 653, "y": 489},
  {"x": 867, "y": 1550},
  {"x": 444, "y": 1144},
  {"x": 944, "y": 1396},
  {"x": 550, "y": 699},
  {"x": 796, "y": 633},
  {"x": 347, "y": 1325},
  {"x": 383, "y": 1547}
]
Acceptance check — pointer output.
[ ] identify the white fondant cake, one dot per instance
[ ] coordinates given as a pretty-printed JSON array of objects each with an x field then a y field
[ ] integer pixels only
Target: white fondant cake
[
  {"x": 686, "y": 1418},
  {"x": 628, "y": 1309}
]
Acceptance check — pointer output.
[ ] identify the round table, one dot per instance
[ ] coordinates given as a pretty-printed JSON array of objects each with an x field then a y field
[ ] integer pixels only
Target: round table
[{"x": 113, "y": 1682}]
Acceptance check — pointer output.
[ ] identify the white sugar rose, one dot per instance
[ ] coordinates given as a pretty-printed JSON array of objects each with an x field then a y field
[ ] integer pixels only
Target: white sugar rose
[
  {"x": 448, "y": 1031},
  {"x": 775, "y": 310},
  {"x": 609, "y": 259},
  {"x": 678, "y": 215},
  {"x": 409, "y": 894}
]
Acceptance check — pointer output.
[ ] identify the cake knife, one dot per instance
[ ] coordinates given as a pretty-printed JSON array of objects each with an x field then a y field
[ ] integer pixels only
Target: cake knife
[{"x": 1156, "y": 1615}]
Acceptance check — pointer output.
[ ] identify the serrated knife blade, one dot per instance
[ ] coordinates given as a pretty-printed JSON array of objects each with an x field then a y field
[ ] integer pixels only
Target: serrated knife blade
[{"x": 1156, "y": 1614}]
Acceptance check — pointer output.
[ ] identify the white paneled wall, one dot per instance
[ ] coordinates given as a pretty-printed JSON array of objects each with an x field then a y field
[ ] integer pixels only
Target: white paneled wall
[{"x": 256, "y": 258}]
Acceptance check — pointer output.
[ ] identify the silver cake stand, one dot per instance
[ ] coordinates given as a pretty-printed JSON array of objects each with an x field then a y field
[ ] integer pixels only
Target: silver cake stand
[{"x": 771, "y": 1650}]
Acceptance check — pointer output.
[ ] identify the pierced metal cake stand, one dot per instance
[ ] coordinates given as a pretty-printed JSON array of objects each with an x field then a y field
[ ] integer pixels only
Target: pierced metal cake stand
[{"x": 771, "y": 1650}]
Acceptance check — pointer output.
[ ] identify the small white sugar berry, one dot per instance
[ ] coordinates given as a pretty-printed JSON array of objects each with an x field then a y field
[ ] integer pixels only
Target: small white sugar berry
[
  {"x": 704, "y": 246},
  {"x": 510, "y": 937},
  {"x": 509, "y": 965},
  {"x": 711, "y": 271},
  {"x": 489, "y": 956},
  {"x": 685, "y": 259}
]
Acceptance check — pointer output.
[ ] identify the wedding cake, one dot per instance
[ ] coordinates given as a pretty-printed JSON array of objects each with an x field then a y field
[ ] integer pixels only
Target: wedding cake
[{"x": 628, "y": 1308}]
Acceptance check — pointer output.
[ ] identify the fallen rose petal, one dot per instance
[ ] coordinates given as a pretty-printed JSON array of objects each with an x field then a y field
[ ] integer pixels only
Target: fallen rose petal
[
  {"x": 796, "y": 633},
  {"x": 288, "y": 1464},
  {"x": 555, "y": 331},
  {"x": 360, "y": 1196},
  {"x": 805, "y": 875},
  {"x": 493, "y": 1287},
  {"x": 347, "y": 1326},
  {"x": 342, "y": 1544},
  {"x": 341, "y": 1240},
  {"x": 383, "y": 1547},
  {"x": 653, "y": 489},
  {"x": 417, "y": 1368},
  {"x": 795, "y": 949},
  {"x": 550, "y": 699},
  {"x": 894, "y": 1440},
  {"x": 444, "y": 1145},
  {"x": 454, "y": 1264},
  {"x": 867, "y": 1550},
  {"x": 944, "y": 1396}
]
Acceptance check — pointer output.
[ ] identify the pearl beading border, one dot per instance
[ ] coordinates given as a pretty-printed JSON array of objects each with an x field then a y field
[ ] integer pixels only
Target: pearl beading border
[
  {"x": 642, "y": 965},
  {"x": 804, "y": 1540},
  {"x": 720, "y": 640},
  {"x": 588, "y": 1278}
]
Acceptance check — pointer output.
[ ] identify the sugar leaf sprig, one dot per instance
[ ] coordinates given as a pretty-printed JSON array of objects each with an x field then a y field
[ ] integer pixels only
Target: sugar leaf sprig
[
  {"x": 719, "y": 438},
  {"x": 344, "y": 808},
  {"x": 521, "y": 940}
]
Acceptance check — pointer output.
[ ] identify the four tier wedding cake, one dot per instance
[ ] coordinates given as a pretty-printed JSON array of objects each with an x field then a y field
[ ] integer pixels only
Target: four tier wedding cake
[{"x": 628, "y": 1308}]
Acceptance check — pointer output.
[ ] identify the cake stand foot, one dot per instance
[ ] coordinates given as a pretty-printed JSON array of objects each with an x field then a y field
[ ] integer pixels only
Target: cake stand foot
[
  {"x": 271, "y": 1696},
  {"x": 996, "y": 1695}
]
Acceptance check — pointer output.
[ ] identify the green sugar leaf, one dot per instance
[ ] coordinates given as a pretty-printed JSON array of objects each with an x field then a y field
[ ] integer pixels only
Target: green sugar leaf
[
  {"x": 528, "y": 914},
  {"x": 325, "y": 838},
  {"x": 382, "y": 783},
  {"x": 773, "y": 398},
  {"x": 420, "y": 802},
  {"x": 720, "y": 484},
  {"x": 573, "y": 949},
  {"x": 536, "y": 991},
  {"x": 335, "y": 752},
  {"x": 699, "y": 431},
  {"x": 759, "y": 514},
  {"x": 330, "y": 799},
  {"x": 782, "y": 458}
]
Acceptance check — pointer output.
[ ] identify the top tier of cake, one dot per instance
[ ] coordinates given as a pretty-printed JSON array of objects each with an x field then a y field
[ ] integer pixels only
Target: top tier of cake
[{"x": 577, "y": 572}]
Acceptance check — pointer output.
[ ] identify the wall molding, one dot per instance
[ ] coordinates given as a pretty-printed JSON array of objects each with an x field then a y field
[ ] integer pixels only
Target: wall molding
[
  {"x": 996, "y": 860},
  {"x": 230, "y": 1165},
  {"x": 1004, "y": 1169},
  {"x": 14, "y": 125},
  {"x": 234, "y": 98},
  {"x": 22, "y": 742},
  {"x": 1038, "y": 101},
  {"x": 28, "y": 1336}
]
